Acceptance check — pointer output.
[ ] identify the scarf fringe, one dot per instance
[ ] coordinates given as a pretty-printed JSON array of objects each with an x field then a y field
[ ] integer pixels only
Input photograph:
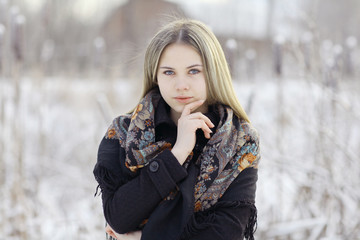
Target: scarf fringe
[
  {"x": 251, "y": 227},
  {"x": 106, "y": 180}
]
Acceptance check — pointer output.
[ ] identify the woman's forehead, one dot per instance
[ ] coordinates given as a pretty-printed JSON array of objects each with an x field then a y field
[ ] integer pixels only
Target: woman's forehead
[{"x": 178, "y": 53}]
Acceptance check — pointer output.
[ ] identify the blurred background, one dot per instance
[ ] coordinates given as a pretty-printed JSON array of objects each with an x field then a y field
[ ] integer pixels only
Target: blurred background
[{"x": 67, "y": 68}]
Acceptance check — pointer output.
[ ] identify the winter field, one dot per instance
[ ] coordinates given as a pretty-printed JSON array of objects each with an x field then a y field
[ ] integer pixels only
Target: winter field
[{"x": 308, "y": 188}]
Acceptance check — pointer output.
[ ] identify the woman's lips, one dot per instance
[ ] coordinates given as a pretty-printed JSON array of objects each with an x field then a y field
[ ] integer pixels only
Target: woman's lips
[{"x": 183, "y": 99}]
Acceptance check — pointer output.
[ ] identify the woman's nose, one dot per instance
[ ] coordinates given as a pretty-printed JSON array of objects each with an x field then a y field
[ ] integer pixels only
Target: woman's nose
[{"x": 182, "y": 83}]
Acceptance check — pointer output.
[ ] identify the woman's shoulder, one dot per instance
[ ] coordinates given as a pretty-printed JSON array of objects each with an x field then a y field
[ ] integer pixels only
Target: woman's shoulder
[
  {"x": 248, "y": 145},
  {"x": 247, "y": 129},
  {"x": 118, "y": 126}
]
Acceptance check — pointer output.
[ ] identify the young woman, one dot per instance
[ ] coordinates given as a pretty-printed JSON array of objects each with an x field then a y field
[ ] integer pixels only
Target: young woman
[{"x": 183, "y": 165}]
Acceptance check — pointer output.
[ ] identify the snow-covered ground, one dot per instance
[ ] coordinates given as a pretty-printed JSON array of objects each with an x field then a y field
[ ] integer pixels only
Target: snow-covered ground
[{"x": 309, "y": 185}]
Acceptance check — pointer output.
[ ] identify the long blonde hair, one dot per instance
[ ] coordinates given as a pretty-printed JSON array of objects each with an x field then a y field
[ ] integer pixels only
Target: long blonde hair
[{"x": 200, "y": 37}]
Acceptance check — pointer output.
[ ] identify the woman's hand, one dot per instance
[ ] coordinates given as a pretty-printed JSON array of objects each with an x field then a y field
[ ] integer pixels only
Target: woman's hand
[
  {"x": 110, "y": 231},
  {"x": 127, "y": 236},
  {"x": 188, "y": 123}
]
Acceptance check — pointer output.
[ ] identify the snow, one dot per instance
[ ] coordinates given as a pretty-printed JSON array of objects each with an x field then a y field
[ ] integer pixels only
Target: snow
[{"x": 308, "y": 176}]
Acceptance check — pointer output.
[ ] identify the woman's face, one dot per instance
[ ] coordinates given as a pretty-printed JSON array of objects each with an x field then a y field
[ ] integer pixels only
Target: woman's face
[{"x": 181, "y": 78}]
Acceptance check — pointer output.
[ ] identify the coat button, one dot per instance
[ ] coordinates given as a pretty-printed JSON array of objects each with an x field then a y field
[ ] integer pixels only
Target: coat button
[{"x": 154, "y": 166}]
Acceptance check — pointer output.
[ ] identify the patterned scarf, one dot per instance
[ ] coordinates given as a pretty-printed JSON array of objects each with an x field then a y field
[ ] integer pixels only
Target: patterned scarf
[{"x": 231, "y": 149}]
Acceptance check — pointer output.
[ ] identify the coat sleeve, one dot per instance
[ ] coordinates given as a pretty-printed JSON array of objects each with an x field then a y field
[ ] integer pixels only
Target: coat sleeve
[
  {"x": 129, "y": 201},
  {"x": 233, "y": 217}
]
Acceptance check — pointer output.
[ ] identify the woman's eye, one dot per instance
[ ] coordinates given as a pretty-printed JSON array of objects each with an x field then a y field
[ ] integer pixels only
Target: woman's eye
[
  {"x": 168, "y": 72},
  {"x": 194, "y": 71}
]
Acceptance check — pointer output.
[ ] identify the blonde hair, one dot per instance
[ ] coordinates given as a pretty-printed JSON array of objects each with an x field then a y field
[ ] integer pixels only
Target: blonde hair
[{"x": 200, "y": 37}]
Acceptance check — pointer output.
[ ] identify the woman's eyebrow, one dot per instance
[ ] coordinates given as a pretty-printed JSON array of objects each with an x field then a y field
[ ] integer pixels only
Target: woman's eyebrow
[
  {"x": 166, "y": 67},
  {"x": 191, "y": 66},
  {"x": 195, "y": 65}
]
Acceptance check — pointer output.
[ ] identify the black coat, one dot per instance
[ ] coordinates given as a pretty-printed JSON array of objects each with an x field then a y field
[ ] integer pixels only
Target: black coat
[{"x": 130, "y": 198}]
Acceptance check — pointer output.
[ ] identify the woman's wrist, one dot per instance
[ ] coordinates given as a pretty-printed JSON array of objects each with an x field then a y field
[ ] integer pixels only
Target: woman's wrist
[{"x": 180, "y": 155}]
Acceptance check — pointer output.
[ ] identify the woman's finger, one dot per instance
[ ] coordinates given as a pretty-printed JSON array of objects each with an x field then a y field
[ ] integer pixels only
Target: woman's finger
[
  {"x": 207, "y": 131},
  {"x": 191, "y": 107},
  {"x": 200, "y": 124},
  {"x": 199, "y": 115}
]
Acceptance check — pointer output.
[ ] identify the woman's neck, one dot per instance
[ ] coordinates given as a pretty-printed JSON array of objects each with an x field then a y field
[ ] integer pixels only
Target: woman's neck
[{"x": 175, "y": 116}]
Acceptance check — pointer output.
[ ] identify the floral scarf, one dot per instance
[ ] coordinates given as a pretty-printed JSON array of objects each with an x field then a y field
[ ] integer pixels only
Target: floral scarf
[{"x": 231, "y": 149}]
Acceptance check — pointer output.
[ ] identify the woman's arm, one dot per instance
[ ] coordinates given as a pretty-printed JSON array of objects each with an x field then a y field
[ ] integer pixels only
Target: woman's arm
[
  {"x": 233, "y": 217},
  {"x": 127, "y": 204}
]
